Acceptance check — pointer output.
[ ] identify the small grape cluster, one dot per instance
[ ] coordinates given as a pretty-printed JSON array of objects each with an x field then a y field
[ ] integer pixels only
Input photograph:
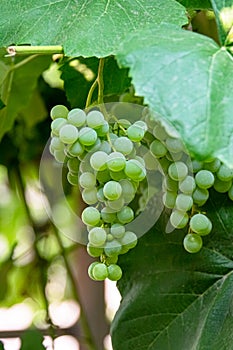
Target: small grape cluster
[
  {"x": 101, "y": 158},
  {"x": 185, "y": 183}
]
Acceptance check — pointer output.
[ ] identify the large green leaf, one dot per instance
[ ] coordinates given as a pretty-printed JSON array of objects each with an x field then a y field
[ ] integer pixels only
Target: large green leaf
[
  {"x": 195, "y": 4},
  {"x": 219, "y": 7},
  {"x": 84, "y": 28},
  {"x": 32, "y": 339},
  {"x": 176, "y": 300},
  {"x": 188, "y": 80},
  {"x": 17, "y": 87}
]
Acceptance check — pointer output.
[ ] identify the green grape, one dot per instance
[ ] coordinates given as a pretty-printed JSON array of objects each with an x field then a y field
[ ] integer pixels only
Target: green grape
[
  {"x": 100, "y": 272},
  {"x": 114, "y": 272},
  {"x": 117, "y": 204},
  {"x": 105, "y": 147},
  {"x": 169, "y": 199},
  {"x": 200, "y": 224},
  {"x": 169, "y": 184},
  {"x": 151, "y": 163},
  {"x": 135, "y": 133},
  {"x": 75, "y": 149},
  {"x": 123, "y": 145},
  {"x": 89, "y": 195},
  {"x": 140, "y": 160},
  {"x": 73, "y": 165},
  {"x": 95, "y": 147},
  {"x": 95, "y": 119},
  {"x": 112, "y": 248},
  {"x": 204, "y": 179},
  {"x": 212, "y": 166},
  {"x": 56, "y": 144},
  {"x": 87, "y": 180},
  {"x": 200, "y": 196},
  {"x": 97, "y": 236},
  {"x": 129, "y": 240},
  {"x": 90, "y": 270},
  {"x": 110, "y": 237},
  {"x": 124, "y": 123},
  {"x": 72, "y": 178},
  {"x": 91, "y": 216},
  {"x": 98, "y": 160},
  {"x": 87, "y": 136},
  {"x": 112, "y": 190},
  {"x": 103, "y": 176},
  {"x": 196, "y": 166},
  {"x": 117, "y": 176},
  {"x": 187, "y": 185},
  {"x": 192, "y": 243},
  {"x": 222, "y": 186},
  {"x": 184, "y": 202},
  {"x": 135, "y": 170},
  {"x": 164, "y": 164},
  {"x": 141, "y": 124},
  {"x": 117, "y": 230},
  {"x": 59, "y": 111},
  {"x": 174, "y": 145},
  {"x": 108, "y": 215},
  {"x": 159, "y": 132},
  {"x": 59, "y": 156},
  {"x": 174, "y": 157},
  {"x": 179, "y": 219},
  {"x": 111, "y": 260},
  {"x": 158, "y": 149},
  {"x": 230, "y": 193},
  {"x": 95, "y": 252},
  {"x": 68, "y": 134},
  {"x": 77, "y": 117},
  {"x": 128, "y": 190},
  {"x": 178, "y": 171},
  {"x": 103, "y": 129},
  {"x": 125, "y": 215},
  {"x": 224, "y": 173},
  {"x": 57, "y": 124},
  {"x": 116, "y": 161},
  {"x": 100, "y": 195}
]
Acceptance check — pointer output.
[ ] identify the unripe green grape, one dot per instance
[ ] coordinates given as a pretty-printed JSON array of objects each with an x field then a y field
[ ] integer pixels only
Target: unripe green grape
[
  {"x": 200, "y": 196},
  {"x": 90, "y": 270},
  {"x": 57, "y": 124},
  {"x": 184, "y": 202},
  {"x": 100, "y": 272},
  {"x": 95, "y": 252},
  {"x": 125, "y": 215},
  {"x": 87, "y": 136},
  {"x": 135, "y": 133},
  {"x": 95, "y": 147},
  {"x": 200, "y": 224},
  {"x": 100, "y": 195},
  {"x": 224, "y": 173},
  {"x": 174, "y": 145},
  {"x": 105, "y": 147},
  {"x": 169, "y": 199},
  {"x": 59, "y": 156},
  {"x": 116, "y": 161},
  {"x": 111, "y": 260},
  {"x": 112, "y": 190},
  {"x": 112, "y": 248},
  {"x": 97, "y": 237},
  {"x": 204, "y": 179},
  {"x": 117, "y": 230},
  {"x": 222, "y": 186},
  {"x": 68, "y": 134},
  {"x": 72, "y": 179},
  {"x": 192, "y": 243},
  {"x": 91, "y": 216},
  {"x": 196, "y": 165},
  {"x": 73, "y": 165},
  {"x": 129, "y": 240},
  {"x": 187, "y": 185},
  {"x": 103, "y": 129},
  {"x": 89, "y": 195},
  {"x": 212, "y": 166},
  {"x": 128, "y": 190},
  {"x": 158, "y": 149},
  {"x": 159, "y": 132},
  {"x": 179, "y": 219},
  {"x": 178, "y": 171},
  {"x": 114, "y": 272},
  {"x": 174, "y": 157},
  {"x": 56, "y": 144},
  {"x": 98, "y": 160},
  {"x": 108, "y": 215},
  {"x": 151, "y": 163},
  {"x": 170, "y": 184},
  {"x": 164, "y": 164},
  {"x": 135, "y": 170},
  {"x": 77, "y": 117},
  {"x": 75, "y": 149},
  {"x": 123, "y": 145},
  {"x": 116, "y": 204},
  {"x": 59, "y": 111},
  {"x": 95, "y": 119},
  {"x": 117, "y": 176},
  {"x": 103, "y": 176},
  {"x": 87, "y": 180}
]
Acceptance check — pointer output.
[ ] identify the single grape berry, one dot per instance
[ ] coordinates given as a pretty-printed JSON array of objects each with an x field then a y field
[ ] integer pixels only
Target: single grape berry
[
  {"x": 91, "y": 216},
  {"x": 200, "y": 224},
  {"x": 68, "y": 134},
  {"x": 100, "y": 272},
  {"x": 204, "y": 179},
  {"x": 178, "y": 171},
  {"x": 59, "y": 111},
  {"x": 97, "y": 237},
  {"x": 114, "y": 272},
  {"x": 192, "y": 243},
  {"x": 112, "y": 190}
]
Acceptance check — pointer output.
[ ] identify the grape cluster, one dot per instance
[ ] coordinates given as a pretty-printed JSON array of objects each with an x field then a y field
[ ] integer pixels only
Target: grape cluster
[{"x": 101, "y": 158}]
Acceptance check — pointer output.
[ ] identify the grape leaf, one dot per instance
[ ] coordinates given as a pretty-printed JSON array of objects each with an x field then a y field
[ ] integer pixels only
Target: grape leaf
[
  {"x": 176, "y": 300},
  {"x": 195, "y": 4},
  {"x": 1, "y": 346},
  {"x": 84, "y": 28},
  {"x": 79, "y": 74},
  {"x": 2, "y": 105},
  {"x": 32, "y": 339},
  {"x": 17, "y": 87},
  {"x": 220, "y": 7},
  {"x": 180, "y": 79}
]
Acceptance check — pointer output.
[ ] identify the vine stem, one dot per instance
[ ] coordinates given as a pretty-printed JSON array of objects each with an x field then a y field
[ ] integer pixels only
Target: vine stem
[
  {"x": 32, "y": 50},
  {"x": 83, "y": 318}
]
